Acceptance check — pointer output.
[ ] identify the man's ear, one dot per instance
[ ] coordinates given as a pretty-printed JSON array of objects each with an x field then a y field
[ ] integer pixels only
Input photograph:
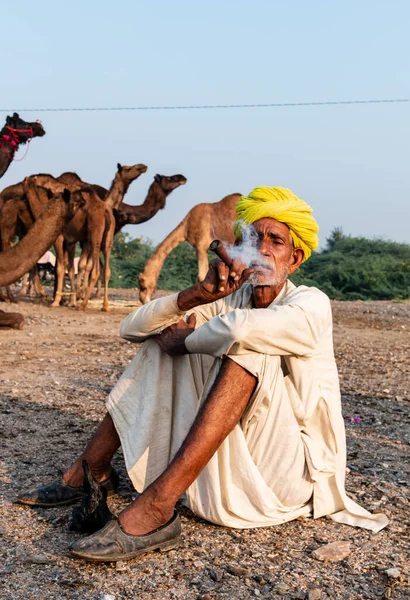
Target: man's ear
[{"x": 297, "y": 258}]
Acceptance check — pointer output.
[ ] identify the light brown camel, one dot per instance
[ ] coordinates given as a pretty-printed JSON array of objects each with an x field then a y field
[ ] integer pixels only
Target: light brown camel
[
  {"x": 126, "y": 214},
  {"x": 204, "y": 223},
  {"x": 19, "y": 259}
]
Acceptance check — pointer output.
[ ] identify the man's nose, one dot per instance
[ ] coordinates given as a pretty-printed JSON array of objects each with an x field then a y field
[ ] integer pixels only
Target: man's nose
[{"x": 263, "y": 247}]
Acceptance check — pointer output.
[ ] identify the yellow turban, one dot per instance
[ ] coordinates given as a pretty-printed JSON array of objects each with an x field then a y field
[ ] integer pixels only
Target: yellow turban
[{"x": 280, "y": 204}]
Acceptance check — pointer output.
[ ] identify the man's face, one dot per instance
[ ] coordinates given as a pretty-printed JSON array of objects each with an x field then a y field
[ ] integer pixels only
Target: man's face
[{"x": 278, "y": 257}]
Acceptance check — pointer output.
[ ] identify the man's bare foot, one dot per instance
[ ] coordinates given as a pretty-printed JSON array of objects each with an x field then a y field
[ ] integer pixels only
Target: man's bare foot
[{"x": 144, "y": 515}]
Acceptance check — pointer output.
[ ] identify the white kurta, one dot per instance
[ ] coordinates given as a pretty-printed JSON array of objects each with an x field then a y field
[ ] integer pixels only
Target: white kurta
[{"x": 287, "y": 456}]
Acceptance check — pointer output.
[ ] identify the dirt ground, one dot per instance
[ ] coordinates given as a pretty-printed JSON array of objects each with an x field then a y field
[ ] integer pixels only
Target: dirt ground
[{"x": 55, "y": 375}]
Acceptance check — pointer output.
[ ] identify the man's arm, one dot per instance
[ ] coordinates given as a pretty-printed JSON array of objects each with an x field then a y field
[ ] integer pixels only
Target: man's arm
[
  {"x": 151, "y": 319},
  {"x": 288, "y": 329},
  {"x": 154, "y": 318}
]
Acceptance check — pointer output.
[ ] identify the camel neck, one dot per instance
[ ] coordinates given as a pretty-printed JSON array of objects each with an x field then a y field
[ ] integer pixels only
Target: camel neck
[
  {"x": 128, "y": 214},
  {"x": 117, "y": 191},
  {"x": 16, "y": 261}
]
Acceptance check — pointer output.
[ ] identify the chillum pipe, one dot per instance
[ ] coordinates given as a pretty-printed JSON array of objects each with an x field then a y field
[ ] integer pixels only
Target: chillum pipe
[{"x": 219, "y": 249}]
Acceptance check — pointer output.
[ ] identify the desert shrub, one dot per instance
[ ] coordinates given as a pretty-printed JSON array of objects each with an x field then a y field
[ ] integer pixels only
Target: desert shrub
[{"x": 348, "y": 268}]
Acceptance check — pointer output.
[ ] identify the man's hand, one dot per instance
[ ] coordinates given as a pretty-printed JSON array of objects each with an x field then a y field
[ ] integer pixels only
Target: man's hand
[
  {"x": 224, "y": 277},
  {"x": 172, "y": 339}
]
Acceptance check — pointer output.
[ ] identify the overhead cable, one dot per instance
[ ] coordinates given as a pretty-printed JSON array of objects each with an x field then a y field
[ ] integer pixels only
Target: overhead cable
[{"x": 206, "y": 106}]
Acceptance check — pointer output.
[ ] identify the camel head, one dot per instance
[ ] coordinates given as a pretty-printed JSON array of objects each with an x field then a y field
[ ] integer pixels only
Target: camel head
[
  {"x": 147, "y": 287},
  {"x": 129, "y": 174},
  {"x": 168, "y": 184},
  {"x": 17, "y": 124}
]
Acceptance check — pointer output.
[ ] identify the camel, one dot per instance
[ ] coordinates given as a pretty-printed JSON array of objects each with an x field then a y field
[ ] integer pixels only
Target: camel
[
  {"x": 15, "y": 220},
  {"x": 204, "y": 223},
  {"x": 162, "y": 186},
  {"x": 126, "y": 214},
  {"x": 112, "y": 198},
  {"x": 93, "y": 222},
  {"x": 17, "y": 215},
  {"x": 15, "y": 133},
  {"x": 19, "y": 259}
]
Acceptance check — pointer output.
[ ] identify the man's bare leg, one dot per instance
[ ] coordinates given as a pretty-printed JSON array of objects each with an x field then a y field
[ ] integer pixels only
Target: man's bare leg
[
  {"x": 98, "y": 453},
  {"x": 218, "y": 415}
]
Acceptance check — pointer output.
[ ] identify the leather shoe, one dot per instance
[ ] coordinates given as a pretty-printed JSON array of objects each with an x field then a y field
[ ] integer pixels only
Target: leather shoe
[
  {"x": 59, "y": 493},
  {"x": 112, "y": 543}
]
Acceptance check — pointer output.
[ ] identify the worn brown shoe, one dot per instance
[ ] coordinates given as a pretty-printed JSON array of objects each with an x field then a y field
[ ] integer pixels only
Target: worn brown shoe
[
  {"x": 113, "y": 543},
  {"x": 59, "y": 493}
]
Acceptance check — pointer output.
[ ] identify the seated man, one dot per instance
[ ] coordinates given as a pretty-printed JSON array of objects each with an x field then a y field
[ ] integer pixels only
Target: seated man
[{"x": 236, "y": 406}]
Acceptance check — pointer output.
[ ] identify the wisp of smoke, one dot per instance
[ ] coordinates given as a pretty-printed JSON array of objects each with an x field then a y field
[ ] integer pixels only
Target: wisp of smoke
[{"x": 247, "y": 252}]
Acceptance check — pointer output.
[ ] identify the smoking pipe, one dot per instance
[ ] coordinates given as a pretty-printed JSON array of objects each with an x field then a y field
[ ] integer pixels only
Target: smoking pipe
[{"x": 219, "y": 249}]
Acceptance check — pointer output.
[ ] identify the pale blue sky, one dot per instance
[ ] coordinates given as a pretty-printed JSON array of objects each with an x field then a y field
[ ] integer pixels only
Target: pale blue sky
[{"x": 351, "y": 163}]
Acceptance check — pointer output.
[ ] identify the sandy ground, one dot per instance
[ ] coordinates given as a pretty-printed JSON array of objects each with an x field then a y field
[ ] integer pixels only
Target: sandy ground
[{"x": 55, "y": 375}]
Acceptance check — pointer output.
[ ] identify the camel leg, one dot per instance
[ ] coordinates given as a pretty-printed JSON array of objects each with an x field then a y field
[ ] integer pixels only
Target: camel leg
[
  {"x": 87, "y": 275},
  {"x": 71, "y": 274},
  {"x": 95, "y": 273},
  {"x": 97, "y": 294},
  {"x": 107, "y": 271},
  {"x": 59, "y": 271},
  {"x": 38, "y": 288},
  {"x": 203, "y": 263},
  {"x": 24, "y": 285},
  {"x": 82, "y": 267},
  {"x": 8, "y": 296}
]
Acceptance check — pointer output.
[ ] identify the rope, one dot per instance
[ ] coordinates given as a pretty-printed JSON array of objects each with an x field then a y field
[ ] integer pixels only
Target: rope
[
  {"x": 15, "y": 142},
  {"x": 208, "y": 106}
]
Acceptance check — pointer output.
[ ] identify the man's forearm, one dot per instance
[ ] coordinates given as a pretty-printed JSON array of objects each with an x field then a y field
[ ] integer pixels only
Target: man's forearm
[
  {"x": 151, "y": 319},
  {"x": 191, "y": 298}
]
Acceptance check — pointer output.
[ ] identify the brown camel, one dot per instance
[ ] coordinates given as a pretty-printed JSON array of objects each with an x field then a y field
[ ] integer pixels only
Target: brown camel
[
  {"x": 204, "y": 223},
  {"x": 93, "y": 223},
  {"x": 161, "y": 187},
  {"x": 126, "y": 214},
  {"x": 112, "y": 198},
  {"x": 19, "y": 259},
  {"x": 15, "y": 133},
  {"x": 15, "y": 220},
  {"x": 17, "y": 215}
]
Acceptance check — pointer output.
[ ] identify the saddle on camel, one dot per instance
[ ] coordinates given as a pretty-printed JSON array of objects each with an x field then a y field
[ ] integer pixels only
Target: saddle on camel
[{"x": 239, "y": 411}]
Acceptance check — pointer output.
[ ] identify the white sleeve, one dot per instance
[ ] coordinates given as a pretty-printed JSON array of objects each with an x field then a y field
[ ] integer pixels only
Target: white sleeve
[
  {"x": 280, "y": 330},
  {"x": 151, "y": 319}
]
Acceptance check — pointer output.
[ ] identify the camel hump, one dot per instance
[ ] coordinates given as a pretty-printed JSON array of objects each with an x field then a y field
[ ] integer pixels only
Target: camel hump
[{"x": 11, "y": 192}]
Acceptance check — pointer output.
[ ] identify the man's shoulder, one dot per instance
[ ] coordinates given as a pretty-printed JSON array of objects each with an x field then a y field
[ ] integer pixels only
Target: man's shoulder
[{"x": 308, "y": 296}]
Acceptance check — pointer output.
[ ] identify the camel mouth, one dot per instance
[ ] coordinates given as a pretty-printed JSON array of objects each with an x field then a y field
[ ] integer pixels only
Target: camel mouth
[
  {"x": 143, "y": 168},
  {"x": 38, "y": 129}
]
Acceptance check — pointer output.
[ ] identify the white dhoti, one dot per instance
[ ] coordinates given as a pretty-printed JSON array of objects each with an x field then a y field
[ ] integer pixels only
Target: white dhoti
[
  {"x": 246, "y": 483},
  {"x": 286, "y": 458}
]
